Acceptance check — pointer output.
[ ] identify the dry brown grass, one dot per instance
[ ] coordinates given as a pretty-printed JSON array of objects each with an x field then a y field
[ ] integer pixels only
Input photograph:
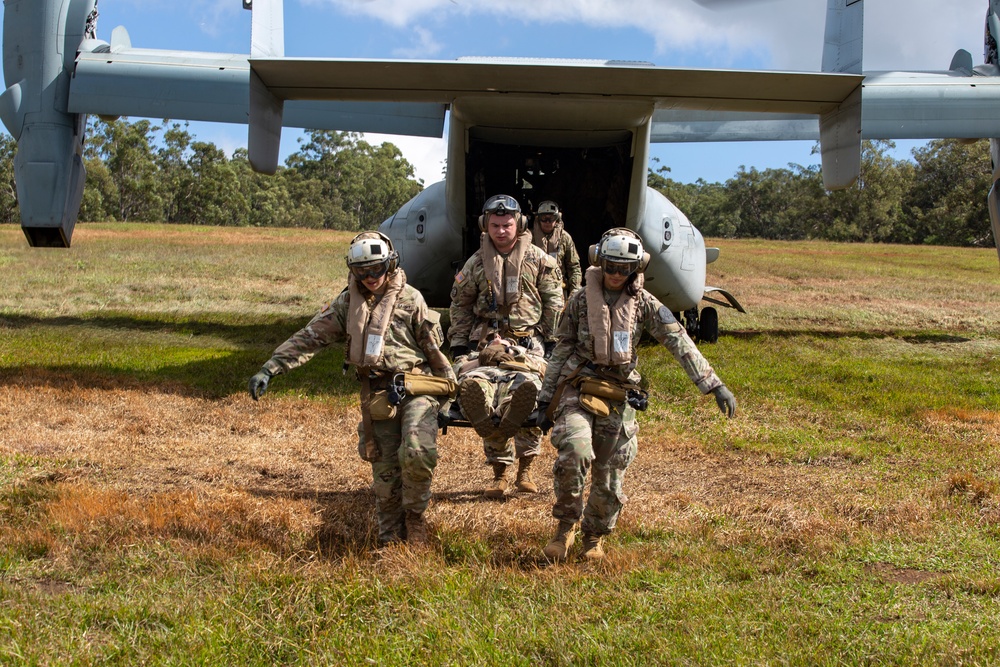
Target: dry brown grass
[{"x": 283, "y": 474}]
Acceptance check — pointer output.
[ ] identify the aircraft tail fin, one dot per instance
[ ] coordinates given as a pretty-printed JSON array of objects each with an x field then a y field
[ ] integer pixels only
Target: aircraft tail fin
[
  {"x": 840, "y": 129},
  {"x": 267, "y": 40}
]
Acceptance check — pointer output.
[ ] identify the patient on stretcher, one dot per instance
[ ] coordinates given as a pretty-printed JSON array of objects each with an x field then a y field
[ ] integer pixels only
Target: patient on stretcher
[{"x": 497, "y": 387}]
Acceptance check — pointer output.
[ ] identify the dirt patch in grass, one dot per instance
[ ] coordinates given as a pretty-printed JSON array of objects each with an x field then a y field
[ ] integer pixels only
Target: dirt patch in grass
[
  {"x": 284, "y": 474},
  {"x": 904, "y": 575}
]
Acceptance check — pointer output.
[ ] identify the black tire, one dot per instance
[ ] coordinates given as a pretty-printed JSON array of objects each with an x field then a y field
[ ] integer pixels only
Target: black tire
[{"x": 708, "y": 325}]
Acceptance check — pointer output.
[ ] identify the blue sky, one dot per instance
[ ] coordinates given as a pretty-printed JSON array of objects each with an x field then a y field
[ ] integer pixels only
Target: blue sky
[{"x": 769, "y": 34}]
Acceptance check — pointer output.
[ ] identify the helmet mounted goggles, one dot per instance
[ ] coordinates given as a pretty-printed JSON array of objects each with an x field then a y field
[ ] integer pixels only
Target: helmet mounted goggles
[
  {"x": 501, "y": 205},
  {"x": 371, "y": 255}
]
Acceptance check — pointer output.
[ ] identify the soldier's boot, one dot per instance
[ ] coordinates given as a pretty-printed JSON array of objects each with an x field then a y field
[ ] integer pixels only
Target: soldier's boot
[
  {"x": 524, "y": 482},
  {"x": 498, "y": 488},
  {"x": 558, "y": 547},
  {"x": 522, "y": 402},
  {"x": 416, "y": 529},
  {"x": 475, "y": 408},
  {"x": 592, "y": 550}
]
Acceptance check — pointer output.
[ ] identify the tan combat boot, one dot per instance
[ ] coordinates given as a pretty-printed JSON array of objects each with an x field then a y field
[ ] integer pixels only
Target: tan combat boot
[
  {"x": 522, "y": 402},
  {"x": 558, "y": 547},
  {"x": 592, "y": 549},
  {"x": 476, "y": 409},
  {"x": 498, "y": 489},
  {"x": 416, "y": 529},
  {"x": 524, "y": 482}
]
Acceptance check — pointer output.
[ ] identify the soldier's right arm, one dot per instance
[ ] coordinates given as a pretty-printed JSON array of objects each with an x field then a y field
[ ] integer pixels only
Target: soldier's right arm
[
  {"x": 567, "y": 335},
  {"x": 463, "y": 300},
  {"x": 328, "y": 326}
]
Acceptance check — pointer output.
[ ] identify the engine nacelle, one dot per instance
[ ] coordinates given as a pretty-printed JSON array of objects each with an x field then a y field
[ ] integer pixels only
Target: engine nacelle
[
  {"x": 41, "y": 39},
  {"x": 429, "y": 245},
  {"x": 676, "y": 271}
]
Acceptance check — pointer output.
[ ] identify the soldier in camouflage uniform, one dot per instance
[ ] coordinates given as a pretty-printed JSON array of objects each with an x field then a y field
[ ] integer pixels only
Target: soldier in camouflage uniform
[
  {"x": 512, "y": 289},
  {"x": 389, "y": 330},
  {"x": 497, "y": 387},
  {"x": 549, "y": 233},
  {"x": 600, "y": 329}
]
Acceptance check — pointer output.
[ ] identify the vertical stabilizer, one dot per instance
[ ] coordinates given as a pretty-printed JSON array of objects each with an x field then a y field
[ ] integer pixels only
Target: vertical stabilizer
[
  {"x": 992, "y": 37},
  {"x": 40, "y": 42},
  {"x": 840, "y": 129},
  {"x": 267, "y": 40}
]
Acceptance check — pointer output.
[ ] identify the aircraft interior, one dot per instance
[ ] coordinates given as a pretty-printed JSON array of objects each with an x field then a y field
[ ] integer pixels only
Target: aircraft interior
[{"x": 589, "y": 183}]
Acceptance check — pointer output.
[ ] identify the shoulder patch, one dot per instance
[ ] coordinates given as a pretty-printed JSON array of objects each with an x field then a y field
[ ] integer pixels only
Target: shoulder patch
[
  {"x": 459, "y": 277},
  {"x": 433, "y": 316},
  {"x": 666, "y": 317}
]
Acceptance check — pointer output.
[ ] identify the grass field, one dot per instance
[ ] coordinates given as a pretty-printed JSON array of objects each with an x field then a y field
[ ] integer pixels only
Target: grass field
[{"x": 151, "y": 513}]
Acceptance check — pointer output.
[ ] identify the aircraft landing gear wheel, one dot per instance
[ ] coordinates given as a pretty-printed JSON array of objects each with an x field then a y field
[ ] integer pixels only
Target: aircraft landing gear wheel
[
  {"x": 690, "y": 322},
  {"x": 708, "y": 325}
]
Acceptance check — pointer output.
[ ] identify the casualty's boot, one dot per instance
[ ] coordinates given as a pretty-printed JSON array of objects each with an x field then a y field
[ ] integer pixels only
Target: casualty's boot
[
  {"x": 524, "y": 482},
  {"x": 472, "y": 398},
  {"x": 592, "y": 550},
  {"x": 416, "y": 529},
  {"x": 558, "y": 547},
  {"x": 498, "y": 489},
  {"x": 522, "y": 402}
]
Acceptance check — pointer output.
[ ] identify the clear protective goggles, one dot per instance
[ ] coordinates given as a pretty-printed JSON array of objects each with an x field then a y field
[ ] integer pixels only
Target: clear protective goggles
[
  {"x": 612, "y": 267},
  {"x": 501, "y": 205},
  {"x": 366, "y": 271}
]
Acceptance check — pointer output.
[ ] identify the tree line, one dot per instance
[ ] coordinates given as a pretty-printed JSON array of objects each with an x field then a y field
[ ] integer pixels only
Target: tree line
[
  {"x": 140, "y": 171},
  {"x": 938, "y": 198}
]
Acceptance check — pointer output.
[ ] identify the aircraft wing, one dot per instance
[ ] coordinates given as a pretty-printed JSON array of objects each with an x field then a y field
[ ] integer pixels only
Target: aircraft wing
[
  {"x": 153, "y": 83},
  {"x": 442, "y": 82},
  {"x": 896, "y": 105}
]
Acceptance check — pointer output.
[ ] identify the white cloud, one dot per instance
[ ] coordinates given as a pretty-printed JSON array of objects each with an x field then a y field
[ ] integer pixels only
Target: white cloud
[
  {"x": 901, "y": 34},
  {"x": 426, "y": 154},
  {"x": 424, "y": 45}
]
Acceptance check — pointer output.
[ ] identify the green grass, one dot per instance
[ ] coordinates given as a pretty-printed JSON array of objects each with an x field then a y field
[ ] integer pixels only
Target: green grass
[{"x": 873, "y": 433}]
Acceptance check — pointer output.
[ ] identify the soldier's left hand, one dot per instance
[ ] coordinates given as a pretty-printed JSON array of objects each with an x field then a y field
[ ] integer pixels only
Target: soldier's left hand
[
  {"x": 726, "y": 401},
  {"x": 444, "y": 415},
  {"x": 541, "y": 418},
  {"x": 258, "y": 383},
  {"x": 549, "y": 347}
]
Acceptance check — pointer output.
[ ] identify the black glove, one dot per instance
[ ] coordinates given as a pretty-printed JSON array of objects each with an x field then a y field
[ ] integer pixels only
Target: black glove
[
  {"x": 726, "y": 401},
  {"x": 549, "y": 346},
  {"x": 542, "y": 420},
  {"x": 258, "y": 383},
  {"x": 444, "y": 415},
  {"x": 459, "y": 351}
]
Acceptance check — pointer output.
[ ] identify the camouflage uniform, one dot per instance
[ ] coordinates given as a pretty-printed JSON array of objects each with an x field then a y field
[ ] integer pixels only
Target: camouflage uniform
[
  {"x": 407, "y": 442},
  {"x": 498, "y": 385},
  {"x": 607, "y": 444},
  {"x": 531, "y": 320},
  {"x": 559, "y": 245}
]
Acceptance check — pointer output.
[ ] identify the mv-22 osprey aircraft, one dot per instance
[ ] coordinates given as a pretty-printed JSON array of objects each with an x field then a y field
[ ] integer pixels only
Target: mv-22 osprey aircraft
[{"x": 577, "y": 132}]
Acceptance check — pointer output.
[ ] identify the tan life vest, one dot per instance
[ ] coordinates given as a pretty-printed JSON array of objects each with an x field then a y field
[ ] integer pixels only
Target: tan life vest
[
  {"x": 610, "y": 326},
  {"x": 504, "y": 273},
  {"x": 367, "y": 326}
]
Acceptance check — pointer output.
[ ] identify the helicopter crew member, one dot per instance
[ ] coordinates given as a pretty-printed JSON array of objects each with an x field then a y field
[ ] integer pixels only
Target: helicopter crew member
[
  {"x": 591, "y": 388},
  {"x": 393, "y": 341},
  {"x": 507, "y": 288},
  {"x": 549, "y": 233}
]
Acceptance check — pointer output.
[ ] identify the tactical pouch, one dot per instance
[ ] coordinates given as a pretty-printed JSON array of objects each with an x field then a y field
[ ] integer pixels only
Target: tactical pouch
[
  {"x": 516, "y": 366},
  {"x": 603, "y": 388},
  {"x": 380, "y": 408},
  {"x": 418, "y": 384},
  {"x": 595, "y": 405}
]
